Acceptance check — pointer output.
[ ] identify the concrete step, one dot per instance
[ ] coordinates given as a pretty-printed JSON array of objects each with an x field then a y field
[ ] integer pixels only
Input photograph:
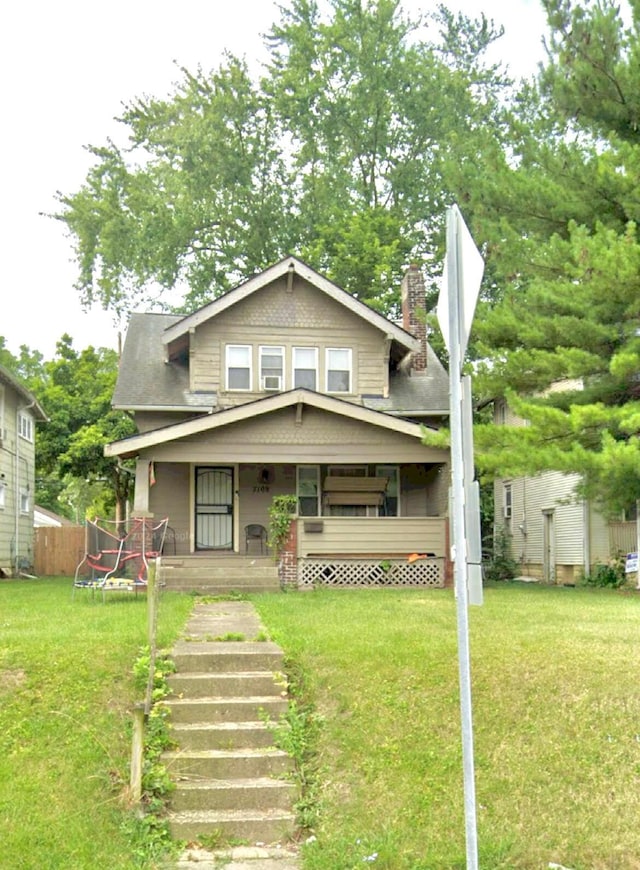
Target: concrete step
[
  {"x": 222, "y": 735},
  {"x": 251, "y": 826},
  {"x": 226, "y": 657},
  {"x": 229, "y": 709},
  {"x": 247, "y": 683},
  {"x": 226, "y": 764},
  {"x": 221, "y": 571},
  {"x": 239, "y": 794},
  {"x": 218, "y": 590}
]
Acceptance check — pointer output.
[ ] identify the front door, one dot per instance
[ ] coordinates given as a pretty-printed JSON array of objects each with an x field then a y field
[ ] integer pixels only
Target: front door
[
  {"x": 214, "y": 508},
  {"x": 549, "y": 545}
]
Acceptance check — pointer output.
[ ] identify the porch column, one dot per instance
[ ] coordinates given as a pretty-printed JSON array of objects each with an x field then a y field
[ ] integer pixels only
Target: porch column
[{"x": 141, "y": 491}]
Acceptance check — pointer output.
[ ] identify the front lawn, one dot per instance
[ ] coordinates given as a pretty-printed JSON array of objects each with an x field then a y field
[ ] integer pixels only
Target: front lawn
[
  {"x": 66, "y": 694},
  {"x": 556, "y": 701}
]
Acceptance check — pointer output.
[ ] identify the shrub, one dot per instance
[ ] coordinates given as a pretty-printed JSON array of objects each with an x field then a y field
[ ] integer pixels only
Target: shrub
[
  {"x": 611, "y": 575},
  {"x": 499, "y": 564}
]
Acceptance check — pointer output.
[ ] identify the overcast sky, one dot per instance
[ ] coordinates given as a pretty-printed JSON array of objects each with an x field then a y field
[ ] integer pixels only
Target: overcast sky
[{"x": 67, "y": 68}]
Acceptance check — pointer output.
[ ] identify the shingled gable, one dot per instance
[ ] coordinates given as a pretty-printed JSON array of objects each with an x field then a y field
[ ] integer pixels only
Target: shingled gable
[
  {"x": 288, "y": 267},
  {"x": 300, "y": 397}
]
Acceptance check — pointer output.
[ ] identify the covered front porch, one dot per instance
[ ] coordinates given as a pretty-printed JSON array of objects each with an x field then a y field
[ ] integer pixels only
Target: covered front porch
[{"x": 368, "y": 493}]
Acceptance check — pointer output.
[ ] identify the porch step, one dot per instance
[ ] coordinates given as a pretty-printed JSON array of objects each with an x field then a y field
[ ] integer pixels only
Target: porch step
[
  {"x": 219, "y": 575},
  {"x": 230, "y": 779}
]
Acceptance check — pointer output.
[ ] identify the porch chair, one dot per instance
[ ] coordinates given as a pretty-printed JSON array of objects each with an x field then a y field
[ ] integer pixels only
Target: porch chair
[{"x": 255, "y": 532}]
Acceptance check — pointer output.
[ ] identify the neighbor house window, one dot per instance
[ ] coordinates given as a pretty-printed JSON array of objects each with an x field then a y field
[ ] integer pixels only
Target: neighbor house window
[
  {"x": 24, "y": 501},
  {"x": 3, "y": 494},
  {"x": 25, "y": 427},
  {"x": 305, "y": 367},
  {"x": 338, "y": 367},
  {"x": 238, "y": 366},
  {"x": 271, "y": 368},
  {"x": 507, "y": 501},
  {"x": 308, "y": 490}
]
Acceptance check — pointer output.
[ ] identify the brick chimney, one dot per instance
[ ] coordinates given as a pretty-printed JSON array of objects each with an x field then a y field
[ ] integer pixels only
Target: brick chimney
[{"x": 413, "y": 294}]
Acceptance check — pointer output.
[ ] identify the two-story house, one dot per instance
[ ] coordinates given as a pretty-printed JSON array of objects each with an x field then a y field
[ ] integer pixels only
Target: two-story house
[
  {"x": 287, "y": 384},
  {"x": 19, "y": 413}
]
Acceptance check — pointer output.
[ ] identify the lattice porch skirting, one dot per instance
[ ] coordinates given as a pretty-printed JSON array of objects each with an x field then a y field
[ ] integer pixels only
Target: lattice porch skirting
[{"x": 355, "y": 571}]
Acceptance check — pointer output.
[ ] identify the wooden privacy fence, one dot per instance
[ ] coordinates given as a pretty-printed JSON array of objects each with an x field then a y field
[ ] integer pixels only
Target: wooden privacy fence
[{"x": 58, "y": 550}]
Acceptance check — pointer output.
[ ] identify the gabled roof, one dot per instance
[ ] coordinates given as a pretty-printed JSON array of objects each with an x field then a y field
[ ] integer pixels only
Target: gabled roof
[
  {"x": 288, "y": 266},
  {"x": 251, "y": 410},
  {"x": 145, "y": 381},
  {"x": 31, "y": 403}
]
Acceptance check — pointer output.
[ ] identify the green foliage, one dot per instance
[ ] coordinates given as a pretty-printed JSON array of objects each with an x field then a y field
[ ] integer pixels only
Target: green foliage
[
  {"x": 559, "y": 221},
  {"x": 345, "y": 152},
  {"x": 381, "y": 666},
  {"x": 281, "y": 512},
  {"x": 498, "y": 563},
  {"x": 73, "y": 475},
  {"x": 66, "y": 695},
  {"x": 610, "y": 575}
]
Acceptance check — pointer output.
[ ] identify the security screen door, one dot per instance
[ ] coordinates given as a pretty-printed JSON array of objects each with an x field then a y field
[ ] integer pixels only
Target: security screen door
[{"x": 214, "y": 508}]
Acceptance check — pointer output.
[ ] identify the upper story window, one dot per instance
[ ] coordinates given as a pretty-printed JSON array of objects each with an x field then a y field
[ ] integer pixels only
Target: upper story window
[
  {"x": 507, "y": 504},
  {"x": 338, "y": 369},
  {"x": 25, "y": 501},
  {"x": 305, "y": 367},
  {"x": 25, "y": 426},
  {"x": 238, "y": 367},
  {"x": 271, "y": 368},
  {"x": 3, "y": 494}
]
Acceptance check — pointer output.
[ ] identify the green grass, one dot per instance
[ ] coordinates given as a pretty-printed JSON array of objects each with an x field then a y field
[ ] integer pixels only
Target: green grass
[
  {"x": 66, "y": 694},
  {"x": 556, "y": 710}
]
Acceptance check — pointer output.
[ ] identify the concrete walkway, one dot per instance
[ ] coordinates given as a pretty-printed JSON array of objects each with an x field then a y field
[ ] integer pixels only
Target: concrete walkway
[{"x": 214, "y": 620}]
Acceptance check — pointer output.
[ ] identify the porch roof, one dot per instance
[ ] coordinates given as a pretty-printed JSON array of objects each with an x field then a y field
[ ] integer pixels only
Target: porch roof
[{"x": 131, "y": 446}]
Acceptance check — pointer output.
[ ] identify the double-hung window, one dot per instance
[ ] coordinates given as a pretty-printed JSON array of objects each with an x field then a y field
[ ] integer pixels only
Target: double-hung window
[
  {"x": 271, "y": 367},
  {"x": 308, "y": 487},
  {"x": 305, "y": 367},
  {"x": 25, "y": 426},
  {"x": 338, "y": 369},
  {"x": 238, "y": 365}
]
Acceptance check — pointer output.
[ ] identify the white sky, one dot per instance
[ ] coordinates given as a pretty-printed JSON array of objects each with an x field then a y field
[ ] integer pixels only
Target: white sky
[{"x": 66, "y": 69}]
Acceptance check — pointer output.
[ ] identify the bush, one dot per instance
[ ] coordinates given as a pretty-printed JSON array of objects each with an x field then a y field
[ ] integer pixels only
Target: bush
[
  {"x": 498, "y": 563},
  {"x": 612, "y": 575}
]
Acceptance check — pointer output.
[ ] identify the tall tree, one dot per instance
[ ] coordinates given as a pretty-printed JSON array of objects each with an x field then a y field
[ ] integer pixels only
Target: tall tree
[
  {"x": 342, "y": 153},
  {"x": 76, "y": 392},
  {"x": 560, "y": 225}
]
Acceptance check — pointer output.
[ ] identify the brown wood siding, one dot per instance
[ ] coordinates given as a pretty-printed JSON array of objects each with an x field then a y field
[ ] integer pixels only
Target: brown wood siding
[
  {"x": 320, "y": 438},
  {"x": 379, "y": 536},
  {"x": 150, "y": 420},
  {"x": 170, "y": 497},
  {"x": 305, "y": 317},
  {"x": 58, "y": 550}
]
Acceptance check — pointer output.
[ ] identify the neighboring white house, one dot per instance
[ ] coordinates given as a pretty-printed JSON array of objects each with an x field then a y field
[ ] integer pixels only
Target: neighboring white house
[
  {"x": 19, "y": 413},
  {"x": 556, "y": 536},
  {"x": 43, "y": 517}
]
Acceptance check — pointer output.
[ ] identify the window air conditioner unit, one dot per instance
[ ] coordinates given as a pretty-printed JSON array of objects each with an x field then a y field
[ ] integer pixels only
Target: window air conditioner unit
[{"x": 272, "y": 382}]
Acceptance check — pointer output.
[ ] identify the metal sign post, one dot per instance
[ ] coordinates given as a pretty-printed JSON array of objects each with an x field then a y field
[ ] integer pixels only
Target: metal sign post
[{"x": 456, "y": 304}]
